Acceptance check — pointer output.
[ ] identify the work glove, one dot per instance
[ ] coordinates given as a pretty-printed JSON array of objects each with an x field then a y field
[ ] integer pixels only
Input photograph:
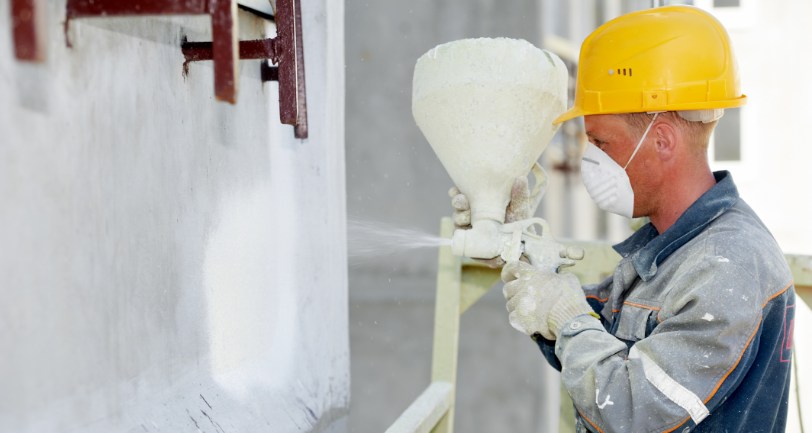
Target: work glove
[
  {"x": 523, "y": 202},
  {"x": 540, "y": 302}
]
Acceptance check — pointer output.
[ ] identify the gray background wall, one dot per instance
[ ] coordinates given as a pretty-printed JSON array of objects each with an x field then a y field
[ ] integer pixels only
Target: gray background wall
[
  {"x": 157, "y": 247},
  {"x": 394, "y": 178}
]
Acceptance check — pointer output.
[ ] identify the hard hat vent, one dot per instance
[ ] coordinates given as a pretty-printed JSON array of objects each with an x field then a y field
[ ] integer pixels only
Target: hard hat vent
[{"x": 626, "y": 72}]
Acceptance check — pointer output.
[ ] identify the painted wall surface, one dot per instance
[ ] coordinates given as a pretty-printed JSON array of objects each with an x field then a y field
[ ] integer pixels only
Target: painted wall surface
[{"x": 169, "y": 262}]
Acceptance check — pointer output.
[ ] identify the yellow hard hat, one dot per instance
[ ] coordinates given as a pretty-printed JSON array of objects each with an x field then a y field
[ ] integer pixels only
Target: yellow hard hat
[{"x": 663, "y": 59}]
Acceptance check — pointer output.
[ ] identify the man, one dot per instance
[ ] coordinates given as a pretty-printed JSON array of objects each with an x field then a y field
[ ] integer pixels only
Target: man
[{"x": 693, "y": 330}]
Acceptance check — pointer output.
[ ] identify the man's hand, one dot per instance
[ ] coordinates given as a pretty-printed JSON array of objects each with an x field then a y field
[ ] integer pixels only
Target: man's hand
[
  {"x": 522, "y": 205},
  {"x": 517, "y": 209},
  {"x": 541, "y": 302}
]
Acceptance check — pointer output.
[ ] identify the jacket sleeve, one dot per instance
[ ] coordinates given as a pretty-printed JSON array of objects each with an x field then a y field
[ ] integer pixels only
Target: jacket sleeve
[
  {"x": 662, "y": 381},
  {"x": 596, "y": 296}
]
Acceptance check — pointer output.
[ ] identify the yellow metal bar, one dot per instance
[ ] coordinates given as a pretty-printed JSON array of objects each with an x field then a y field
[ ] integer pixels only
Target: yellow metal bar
[
  {"x": 424, "y": 413},
  {"x": 599, "y": 261},
  {"x": 476, "y": 280},
  {"x": 801, "y": 267},
  {"x": 446, "y": 324}
]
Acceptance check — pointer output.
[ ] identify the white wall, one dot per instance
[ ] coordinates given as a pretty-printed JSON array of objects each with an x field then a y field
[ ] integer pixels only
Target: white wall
[
  {"x": 168, "y": 262},
  {"x": 772, "y": 41},
  {"x": 394, "y": 178}
]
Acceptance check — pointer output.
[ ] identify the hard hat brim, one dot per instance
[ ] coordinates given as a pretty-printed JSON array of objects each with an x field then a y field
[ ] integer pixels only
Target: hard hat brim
[
  {"x": 572, "y": 113},
  {"x": 579, "y": 111}
]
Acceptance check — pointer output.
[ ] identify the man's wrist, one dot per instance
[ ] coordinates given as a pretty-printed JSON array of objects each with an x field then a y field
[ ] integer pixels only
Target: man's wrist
[
  {"x": 559, "y": 318},
  {"x": 570, "y": 310}
]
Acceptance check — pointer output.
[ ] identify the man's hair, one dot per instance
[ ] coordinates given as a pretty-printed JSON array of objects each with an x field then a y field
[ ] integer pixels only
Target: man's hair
[{"x": 697, "y": 133}]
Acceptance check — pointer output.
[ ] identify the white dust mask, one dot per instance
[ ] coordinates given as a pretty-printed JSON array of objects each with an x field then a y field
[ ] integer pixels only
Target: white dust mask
[{"x": 606, "y": 181}]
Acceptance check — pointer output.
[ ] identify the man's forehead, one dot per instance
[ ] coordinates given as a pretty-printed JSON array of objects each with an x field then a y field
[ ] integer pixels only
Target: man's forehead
[{"x": 604, "y": 124}]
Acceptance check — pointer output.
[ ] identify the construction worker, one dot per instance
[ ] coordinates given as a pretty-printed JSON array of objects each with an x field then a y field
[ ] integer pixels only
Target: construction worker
[{"x": 693, "y": 331}]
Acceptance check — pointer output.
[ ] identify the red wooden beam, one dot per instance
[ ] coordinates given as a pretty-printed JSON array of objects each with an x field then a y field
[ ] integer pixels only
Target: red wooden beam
[
  {"x": 290, "y": 52},
  {"x": 301, "y": 89},
  {"x": 99, "y": 8},
  {"x": 29, "y": 29},
  {"x": 225, "y": 49},
  {"x": 223, "y": 23},
  {"x": 286, "y": 50},
  {"x": 255, "y": 49}
]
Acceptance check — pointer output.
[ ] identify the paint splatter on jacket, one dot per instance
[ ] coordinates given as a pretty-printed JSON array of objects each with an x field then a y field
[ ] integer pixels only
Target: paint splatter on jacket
[{"x": 695, "y": 331}]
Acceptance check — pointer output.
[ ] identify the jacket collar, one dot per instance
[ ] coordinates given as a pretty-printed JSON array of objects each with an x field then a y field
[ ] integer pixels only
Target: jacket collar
[{"x": 646, "y": 248}]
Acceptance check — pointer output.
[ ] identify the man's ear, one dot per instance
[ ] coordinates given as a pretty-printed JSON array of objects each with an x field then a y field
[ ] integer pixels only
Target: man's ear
[{"x": 666, "y": 140}]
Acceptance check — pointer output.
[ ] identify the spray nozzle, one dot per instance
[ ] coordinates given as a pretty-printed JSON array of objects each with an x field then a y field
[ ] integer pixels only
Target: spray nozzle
[
  {"x": 481, "y": 241},
  {"x": 529, "y": 238}
]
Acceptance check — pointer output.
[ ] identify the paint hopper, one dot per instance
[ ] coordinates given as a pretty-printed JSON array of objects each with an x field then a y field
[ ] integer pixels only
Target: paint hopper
[{"x": 486, "y": 107}]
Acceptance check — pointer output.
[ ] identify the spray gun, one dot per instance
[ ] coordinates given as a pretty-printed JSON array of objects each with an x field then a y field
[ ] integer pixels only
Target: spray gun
[
  {"x": 529, "y": 238},
  {"x": 486, "y": 107}
]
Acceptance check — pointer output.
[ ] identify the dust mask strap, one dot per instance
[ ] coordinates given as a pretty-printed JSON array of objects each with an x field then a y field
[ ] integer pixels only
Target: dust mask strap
[{"x": 640, "y": 143}]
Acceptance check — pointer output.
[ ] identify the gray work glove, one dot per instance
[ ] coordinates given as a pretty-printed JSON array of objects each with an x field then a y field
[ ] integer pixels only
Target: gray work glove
[{"x": 540, "y": 302}]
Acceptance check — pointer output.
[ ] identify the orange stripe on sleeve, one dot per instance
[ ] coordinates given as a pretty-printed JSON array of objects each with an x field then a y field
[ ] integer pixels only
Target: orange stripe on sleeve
[
  {"x": 777, "y": 294},
  {"x": 647, "y": 307},
  {"x": 590, "y": 422},
  {"x": 749, "y": 340},
  {"x": 735, "y": 364}
]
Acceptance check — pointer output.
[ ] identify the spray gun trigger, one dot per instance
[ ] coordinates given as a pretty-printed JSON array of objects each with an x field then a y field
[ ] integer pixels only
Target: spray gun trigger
[
  {"x": 572, "y": 252},
  {"x": 569, "y": 255},
  {"x": 564, "y": 264}
]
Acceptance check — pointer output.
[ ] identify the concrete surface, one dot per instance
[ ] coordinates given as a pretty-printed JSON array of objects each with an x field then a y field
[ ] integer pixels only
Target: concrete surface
[{"x": 157, "y": 255}]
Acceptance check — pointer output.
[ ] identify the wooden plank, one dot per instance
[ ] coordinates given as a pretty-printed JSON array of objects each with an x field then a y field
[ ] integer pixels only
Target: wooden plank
[
  {"x": 29, "y": 30},
  {"x": 225, "y": 49},
  {"x": 111, "y": 8},
  {"x": 446, "y": 323},
  {"x": 801, "y": 267},
  {"x": 291, "y": 73},
  {"x": 598, "y": 263},
  {"x": 424, "y": 413},
  {"x": 477, "y": 280}
]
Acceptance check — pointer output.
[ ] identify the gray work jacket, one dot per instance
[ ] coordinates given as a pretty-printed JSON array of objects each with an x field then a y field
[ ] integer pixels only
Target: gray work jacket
[{"x": 695, "y": 330}]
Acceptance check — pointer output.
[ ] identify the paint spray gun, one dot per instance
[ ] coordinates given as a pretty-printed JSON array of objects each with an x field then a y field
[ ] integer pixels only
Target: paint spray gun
[
  {"x": 486, "y": 107},
  {"x": 528, "y": 238}
]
